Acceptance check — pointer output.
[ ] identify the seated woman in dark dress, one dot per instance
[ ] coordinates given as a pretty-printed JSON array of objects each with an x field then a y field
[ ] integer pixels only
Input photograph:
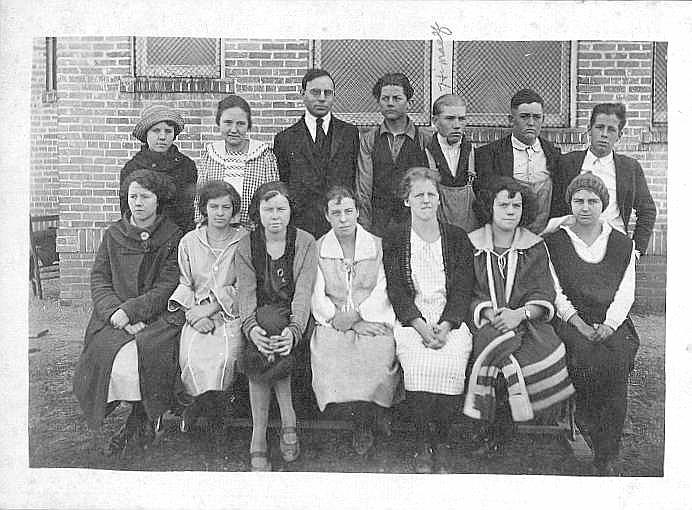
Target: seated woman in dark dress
[
  {"x": 276, "y": 267},
  {"x": 131, "y": 342},
  {"x": 595, "y": 267},
  {"x": 512, "y": 307}
]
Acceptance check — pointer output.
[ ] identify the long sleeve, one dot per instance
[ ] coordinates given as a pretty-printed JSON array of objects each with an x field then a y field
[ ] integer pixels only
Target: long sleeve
[
  {"x": 323, "y": 308},
  {"x": 150, "y": 304},
  {"x": 104, "y": 298},
  {"x": 459, "y": 250},
  {"x": 376, "y": 307},
  {"x": 364, "y": 178},
  {"x": 563, "y": 306},
  {"x": 247, "y": 286},
  {"x": 271, "y": 172},
  {"x": 624, "y": 297},
  {"x": 304, "y": 272},
  {"x": 282, "y": 163},
  {"x": 646, "y": 211},
  {"x": 202, "y": 178},
  {"x": 184, "y": 294},
  {"x": 400, "y": 296}
]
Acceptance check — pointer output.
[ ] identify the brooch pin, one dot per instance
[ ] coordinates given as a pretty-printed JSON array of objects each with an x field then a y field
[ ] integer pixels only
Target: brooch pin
[{"x": 144, "y": 235}]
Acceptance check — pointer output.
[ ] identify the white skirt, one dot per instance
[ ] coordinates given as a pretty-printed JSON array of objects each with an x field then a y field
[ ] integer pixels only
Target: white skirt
[
  {"x": 124, "y": 381},
  {"x": 435, "y": 371},
  {"x": 208, "y": 361}
]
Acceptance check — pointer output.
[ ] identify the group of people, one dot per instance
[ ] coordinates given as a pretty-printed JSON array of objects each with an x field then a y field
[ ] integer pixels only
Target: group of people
[{"x": 497, "y": 280}]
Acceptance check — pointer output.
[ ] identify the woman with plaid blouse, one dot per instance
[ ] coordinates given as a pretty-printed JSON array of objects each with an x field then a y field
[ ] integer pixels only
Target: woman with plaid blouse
[{"x": 243, "y": 163}]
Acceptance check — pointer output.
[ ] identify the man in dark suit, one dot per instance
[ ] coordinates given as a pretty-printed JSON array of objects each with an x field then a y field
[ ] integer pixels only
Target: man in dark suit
[
  {"x": 316, "y": 152},
  {"x": 622, "y": 175},
  {"x": 524, "y": 155}
]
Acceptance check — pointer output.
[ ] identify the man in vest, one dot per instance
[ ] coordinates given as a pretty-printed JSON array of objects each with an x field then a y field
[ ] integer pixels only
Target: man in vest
[{"x": 386, "y": 152}]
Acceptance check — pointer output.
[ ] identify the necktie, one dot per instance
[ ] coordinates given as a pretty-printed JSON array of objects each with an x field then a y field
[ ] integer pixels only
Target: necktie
[{"x": 320, "y": 136}]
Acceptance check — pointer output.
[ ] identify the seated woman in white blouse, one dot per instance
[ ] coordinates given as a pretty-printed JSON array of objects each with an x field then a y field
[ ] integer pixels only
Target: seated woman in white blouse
[
  {"x": 352, "y": 351},
  {"x": 594, "y": 266}
]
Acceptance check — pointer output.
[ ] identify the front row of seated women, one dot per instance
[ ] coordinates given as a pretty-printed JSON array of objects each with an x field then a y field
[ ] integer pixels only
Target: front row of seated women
[{"x": 520, "y": 319}]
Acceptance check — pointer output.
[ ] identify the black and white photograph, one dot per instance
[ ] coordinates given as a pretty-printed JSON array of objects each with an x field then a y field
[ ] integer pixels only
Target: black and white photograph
[{"x": 345, "y": 255}]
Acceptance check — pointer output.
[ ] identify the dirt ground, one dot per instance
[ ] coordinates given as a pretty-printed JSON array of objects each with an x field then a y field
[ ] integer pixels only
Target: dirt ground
[{"x": 59, "y": 437}]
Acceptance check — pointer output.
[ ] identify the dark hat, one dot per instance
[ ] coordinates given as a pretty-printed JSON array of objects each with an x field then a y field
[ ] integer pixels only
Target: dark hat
[
  {"x": 153, "y": 115},
  {"x": 590, "y": 182}
]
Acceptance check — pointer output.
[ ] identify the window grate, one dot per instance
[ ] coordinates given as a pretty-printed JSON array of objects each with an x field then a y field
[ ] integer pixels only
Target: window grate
[
  {"x": 660, "y": 83},
  {"x": 181, "y": 57},
  {"x": 357, "y": 64},
  {"x": 488, "y": 73},
  {"x": 51, "y": 67}
]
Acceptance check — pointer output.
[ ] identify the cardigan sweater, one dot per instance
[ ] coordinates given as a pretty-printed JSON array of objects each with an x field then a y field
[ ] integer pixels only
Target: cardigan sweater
[
  {"x": 457, "y": 255},
  {"x": 304, "y": 271}
]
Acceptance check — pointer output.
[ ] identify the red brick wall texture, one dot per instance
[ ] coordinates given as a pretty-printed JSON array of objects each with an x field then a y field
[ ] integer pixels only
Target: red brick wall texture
[{"x": 80, "y": 135}]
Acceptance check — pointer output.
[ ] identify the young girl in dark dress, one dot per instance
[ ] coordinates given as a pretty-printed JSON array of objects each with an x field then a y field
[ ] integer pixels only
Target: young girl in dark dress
[{"x": 276, "y": 268}]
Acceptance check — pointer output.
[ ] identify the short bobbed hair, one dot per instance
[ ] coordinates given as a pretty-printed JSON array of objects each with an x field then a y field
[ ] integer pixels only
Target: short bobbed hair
[
  {"x": 339, "y": 192},
  {"x": 234, "y": 101},
  {"x": 217, "y": 189},
  {"x": 313, "y": 74},
  {"x": 617, "y": 109},
  {"x": 483, "y": 205},
  {"x": 159, "y": 184},
  {"x": 525, "y": 96},
  {"x": 417, "y": 173},
  {"x": 393, "y": 79},
  {"x": 267, "y": 191},
  {"x": 447, "y": 100}
]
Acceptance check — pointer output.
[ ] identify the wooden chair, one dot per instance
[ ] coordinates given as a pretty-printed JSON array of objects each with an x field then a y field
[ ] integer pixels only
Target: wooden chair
[{"x": 44, "y": 261}]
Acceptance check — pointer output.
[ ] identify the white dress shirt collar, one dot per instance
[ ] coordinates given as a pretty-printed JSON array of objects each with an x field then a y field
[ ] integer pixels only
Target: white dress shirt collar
[
  {"x": 591, "y": 158},
  {"x": 311, "y": 123},
  {"x": 521, "y": 146}
]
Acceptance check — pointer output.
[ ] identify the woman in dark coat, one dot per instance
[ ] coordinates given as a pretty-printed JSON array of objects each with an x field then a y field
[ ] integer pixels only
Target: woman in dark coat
[
  {"x": 131, "y": 342},
  {"x": 594, "y": 264},
  {"x": 157, "y": 130}
]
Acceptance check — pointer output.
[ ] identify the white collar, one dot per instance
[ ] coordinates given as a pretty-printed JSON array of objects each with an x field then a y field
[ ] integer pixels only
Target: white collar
[
  {"x": 590, "y": 158},
  {"x": 217, "y": 150},
  {"x": 606, "y": 229},
  {"x": 444, "y": 144},
  {"x": 521, "y": 146},
  {"x": 311, "y": 120},
  {"x": 365, "y": 245},
  {"x": 482, "y": 239}
]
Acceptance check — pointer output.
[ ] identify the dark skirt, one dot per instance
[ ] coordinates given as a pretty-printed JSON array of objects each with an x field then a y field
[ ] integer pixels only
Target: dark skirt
[
  {"x": 157, "y": 348},
  {"x": 273, "y": 318}
]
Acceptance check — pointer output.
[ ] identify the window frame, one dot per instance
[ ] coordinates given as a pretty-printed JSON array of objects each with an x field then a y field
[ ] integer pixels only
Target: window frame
[{"x": 137, "y": 62}]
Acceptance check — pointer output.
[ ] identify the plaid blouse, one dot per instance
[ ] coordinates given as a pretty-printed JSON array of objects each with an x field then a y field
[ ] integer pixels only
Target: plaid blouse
[{"x": 252, "y": 169}]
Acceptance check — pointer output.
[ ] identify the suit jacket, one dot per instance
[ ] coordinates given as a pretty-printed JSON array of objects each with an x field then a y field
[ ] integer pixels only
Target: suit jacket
[
  {"x": 307, "y": 181},
  {"x": 497, "y": 158},
  {"x": 631, "y": 190}
]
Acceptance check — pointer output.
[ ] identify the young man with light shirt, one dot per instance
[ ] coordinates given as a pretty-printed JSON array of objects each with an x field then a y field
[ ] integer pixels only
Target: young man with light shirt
[
  {"x": 386, "y": 152},
  {"x": 622, "y": 175},
  {"x": 524, "y": 155},
  {"x": 451, "y": 153},
  {"x": 316, "y": 153}
]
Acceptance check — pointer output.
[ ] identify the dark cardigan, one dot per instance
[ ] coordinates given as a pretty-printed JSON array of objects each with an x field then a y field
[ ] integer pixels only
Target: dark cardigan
[{"x": 457, "y": 253}]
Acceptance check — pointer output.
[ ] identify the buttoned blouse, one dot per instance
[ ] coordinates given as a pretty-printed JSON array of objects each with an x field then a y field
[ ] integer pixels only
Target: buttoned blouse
[{"x": 529, "y": 161}]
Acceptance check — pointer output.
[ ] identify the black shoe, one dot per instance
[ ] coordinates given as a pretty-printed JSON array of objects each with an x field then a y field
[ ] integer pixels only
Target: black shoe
[
  {"x": 152, "y": 431},
  {"x": 127, "y": 433},
  {"x": 443, "y": 458},
  {"x": 423, "y": 460},
  {"x": 489, "y": 447}
]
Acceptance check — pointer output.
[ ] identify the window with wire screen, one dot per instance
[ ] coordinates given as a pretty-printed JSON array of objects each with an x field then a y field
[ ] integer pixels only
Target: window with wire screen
[
  {"x": 660, "y": 83},
  {"x": 51, "y": 68},
  {"x": 357, "y": 64},
  {"x": 177, "y": 57},
  {"x": 488, "y": 73}
]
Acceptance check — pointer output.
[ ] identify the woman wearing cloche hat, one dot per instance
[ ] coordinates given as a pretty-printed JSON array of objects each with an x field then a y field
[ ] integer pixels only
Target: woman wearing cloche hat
[{"x": 157, "y": 128}]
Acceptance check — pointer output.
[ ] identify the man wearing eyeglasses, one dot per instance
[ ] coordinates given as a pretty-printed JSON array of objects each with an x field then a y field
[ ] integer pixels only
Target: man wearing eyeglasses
[
  {"x": 315, "y": 153},
  {"x": 524, "y": 155}
]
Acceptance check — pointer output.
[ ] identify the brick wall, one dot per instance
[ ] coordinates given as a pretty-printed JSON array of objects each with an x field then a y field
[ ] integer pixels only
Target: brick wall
[
  {"x": 84, "y": 136},
  {"x": 43, "y": 159}
]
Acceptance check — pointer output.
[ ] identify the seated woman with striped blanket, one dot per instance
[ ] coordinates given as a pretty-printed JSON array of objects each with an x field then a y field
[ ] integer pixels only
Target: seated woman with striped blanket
[{"x": 515, "y": 349}]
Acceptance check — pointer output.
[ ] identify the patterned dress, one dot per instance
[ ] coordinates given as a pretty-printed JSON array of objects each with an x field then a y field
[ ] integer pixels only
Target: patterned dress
[{"x": 436, "y": 371}]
